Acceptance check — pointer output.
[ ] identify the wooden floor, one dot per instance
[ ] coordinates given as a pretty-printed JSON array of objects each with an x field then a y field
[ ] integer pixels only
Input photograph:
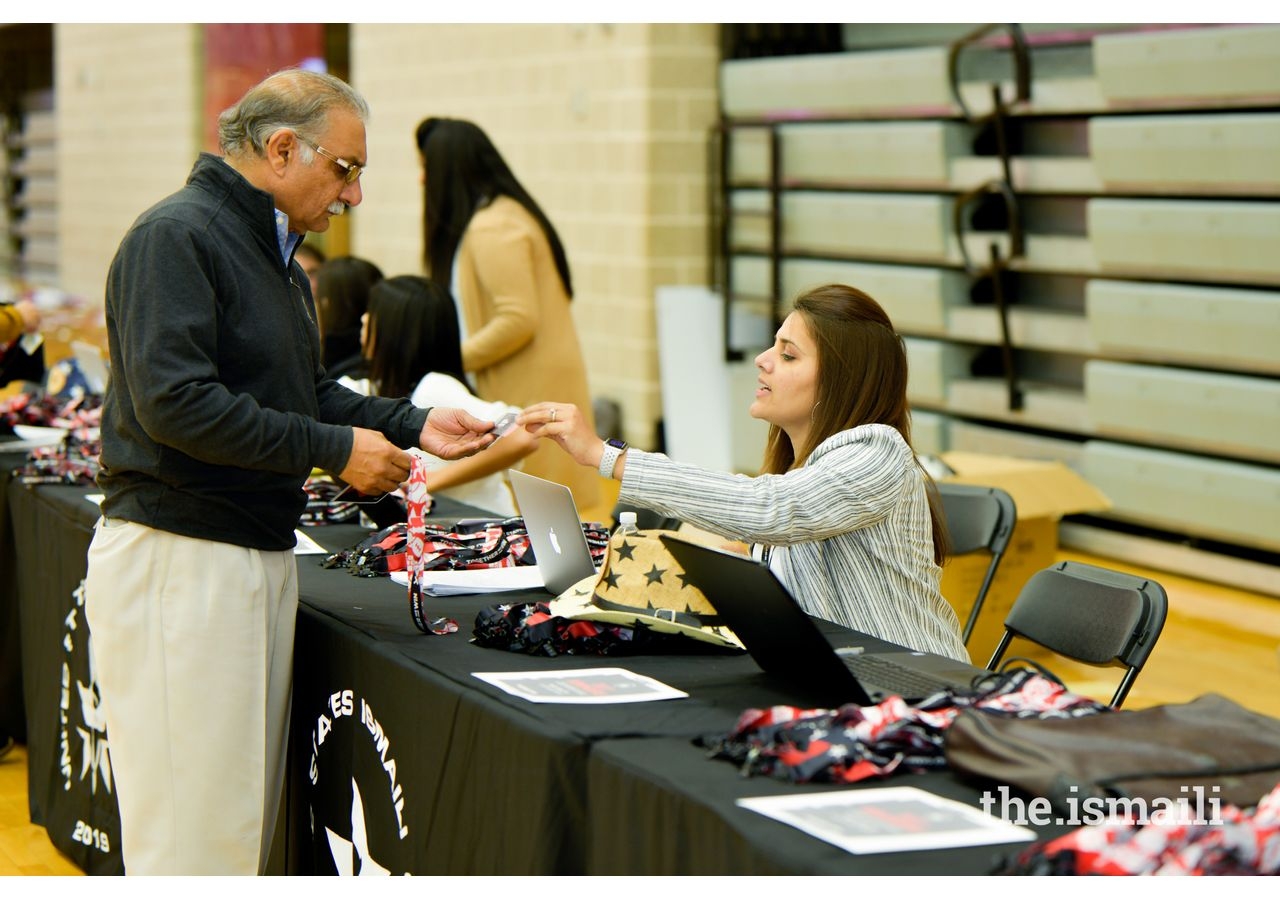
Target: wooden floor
[
  {"x": 24, "y": 848},
  {"x": 1216, "y": 640}
]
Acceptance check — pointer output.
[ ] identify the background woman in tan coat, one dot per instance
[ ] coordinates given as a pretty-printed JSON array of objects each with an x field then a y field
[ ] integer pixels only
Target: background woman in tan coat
[
  {"x": 487, "y": 238},
  {"x": 18, "y": 319}
]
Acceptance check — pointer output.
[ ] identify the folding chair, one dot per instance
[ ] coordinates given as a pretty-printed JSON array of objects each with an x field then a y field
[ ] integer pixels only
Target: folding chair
[
  {"x": 978, "y": 518},
  {"x": 1090, "y": 614},
  {"x": 646, "y": 519}
]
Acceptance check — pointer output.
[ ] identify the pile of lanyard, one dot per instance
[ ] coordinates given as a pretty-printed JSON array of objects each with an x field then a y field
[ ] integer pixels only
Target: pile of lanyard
[
  {"x": 75, "y": 459},
  {"x": 324, "y": 505},
  {"x": 51, "y": 411},
  {"x": 854, "y": 743},
  {"x": 488, "y": 545},
  {"x": 467, "y": 544}
]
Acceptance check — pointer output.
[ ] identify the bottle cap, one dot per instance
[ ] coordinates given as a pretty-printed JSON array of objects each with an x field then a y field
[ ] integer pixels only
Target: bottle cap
[{"x": 627, "y": 517}]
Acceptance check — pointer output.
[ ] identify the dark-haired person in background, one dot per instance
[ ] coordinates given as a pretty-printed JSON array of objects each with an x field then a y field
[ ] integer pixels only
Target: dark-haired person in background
[
  {"x": 342, "y": 296},
  {"x": 844, "y": 513},
  {"x": 412, "y": 349},
  {"x": 311, "y": 258},
  {"x": 492, "y": 245}
]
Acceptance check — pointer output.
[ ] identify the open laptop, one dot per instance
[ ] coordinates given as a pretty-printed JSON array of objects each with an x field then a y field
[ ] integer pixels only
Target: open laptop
[
  {"x": 786, "y": 643},
  {"x": 555, "y": 530}
]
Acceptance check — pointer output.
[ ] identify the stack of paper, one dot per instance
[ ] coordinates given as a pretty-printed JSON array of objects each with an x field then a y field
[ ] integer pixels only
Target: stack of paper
[
  {"x": 610, "y": 685},
  {"x": 476, "y": 581}
]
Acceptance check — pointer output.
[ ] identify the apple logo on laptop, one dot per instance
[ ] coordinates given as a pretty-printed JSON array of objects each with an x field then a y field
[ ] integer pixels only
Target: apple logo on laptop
[{"x": 555, "y": 543}]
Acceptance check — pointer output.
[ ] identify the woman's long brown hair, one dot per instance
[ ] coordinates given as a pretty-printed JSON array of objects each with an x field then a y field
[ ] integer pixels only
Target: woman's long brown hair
[
  {"x": 465, "y": 172},
  {"x": 862, "y": 380}
]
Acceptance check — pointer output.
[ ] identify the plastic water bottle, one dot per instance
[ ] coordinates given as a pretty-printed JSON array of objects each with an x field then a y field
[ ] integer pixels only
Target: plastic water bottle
[{"x": 627, "y": 523}]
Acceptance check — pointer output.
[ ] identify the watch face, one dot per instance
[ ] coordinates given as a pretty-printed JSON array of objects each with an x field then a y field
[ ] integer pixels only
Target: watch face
[{"x": 614, "y": 442}]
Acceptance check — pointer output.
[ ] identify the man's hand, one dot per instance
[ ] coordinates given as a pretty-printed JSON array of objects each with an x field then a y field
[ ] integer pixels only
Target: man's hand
[
  {"x": 375, "y": 466},
  {"x": 452, "y": 434}
]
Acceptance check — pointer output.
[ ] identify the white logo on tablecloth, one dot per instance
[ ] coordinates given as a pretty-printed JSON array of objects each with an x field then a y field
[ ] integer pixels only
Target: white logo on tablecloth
[
  {"x": 347, "y": 852},
  {"x": 95, "y": 757},
  {"x": 353, "y": 856}
]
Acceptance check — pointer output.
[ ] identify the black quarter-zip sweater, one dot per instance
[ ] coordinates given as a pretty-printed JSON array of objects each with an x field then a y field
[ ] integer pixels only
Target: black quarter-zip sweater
[{"x": 218, "y": 407}]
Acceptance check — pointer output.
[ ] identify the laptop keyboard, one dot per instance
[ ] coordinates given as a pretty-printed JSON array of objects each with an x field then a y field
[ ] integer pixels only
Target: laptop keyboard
[{"x": 887, "y": 675}]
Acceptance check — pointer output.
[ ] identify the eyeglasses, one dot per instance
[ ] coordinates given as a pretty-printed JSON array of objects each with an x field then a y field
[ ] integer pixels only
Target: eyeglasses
[{"x": 351, "y": 170}]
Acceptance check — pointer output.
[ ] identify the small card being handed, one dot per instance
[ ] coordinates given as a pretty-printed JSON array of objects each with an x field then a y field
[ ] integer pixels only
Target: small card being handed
[{"x": 504, "y": 424}]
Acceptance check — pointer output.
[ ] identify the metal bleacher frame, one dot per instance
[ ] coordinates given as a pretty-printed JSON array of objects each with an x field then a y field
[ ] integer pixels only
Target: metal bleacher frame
[{"x": 995, "y": 194}]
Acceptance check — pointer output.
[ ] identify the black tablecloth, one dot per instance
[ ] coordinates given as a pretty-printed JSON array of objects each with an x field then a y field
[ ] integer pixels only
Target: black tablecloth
[
  {"x": 70, "y": 790},
  {"x": 12, "y": 709},
  {"x": 661, "y": 807},
  {"x": 490, "y": 783},
  {"x": 401, "y": 760}
]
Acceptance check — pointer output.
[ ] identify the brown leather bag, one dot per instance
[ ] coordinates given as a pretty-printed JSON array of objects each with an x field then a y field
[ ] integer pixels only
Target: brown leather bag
[{"x": 1208, "y": 748}]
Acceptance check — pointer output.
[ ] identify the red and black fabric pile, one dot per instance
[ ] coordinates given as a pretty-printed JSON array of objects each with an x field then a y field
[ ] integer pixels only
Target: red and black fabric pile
[
  {"x": 381, "y": 553},
  {"x": 854, "y": 743},
  {"x": 530, "y": 628},
  {"x": 75, "y": 460},
  {"x": 1233, "y": 842},
  {"x": 324, "y": 506},
  {"x": 467, "y": 544},
  {"x": 51, "y": 411}
]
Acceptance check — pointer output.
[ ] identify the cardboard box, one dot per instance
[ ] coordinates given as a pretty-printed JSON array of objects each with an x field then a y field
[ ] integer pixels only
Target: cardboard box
[{"x": 1044, "y": 492}]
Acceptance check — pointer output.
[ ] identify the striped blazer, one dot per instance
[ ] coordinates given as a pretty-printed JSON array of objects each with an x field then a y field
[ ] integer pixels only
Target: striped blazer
[{"x": 849, "y": 531}]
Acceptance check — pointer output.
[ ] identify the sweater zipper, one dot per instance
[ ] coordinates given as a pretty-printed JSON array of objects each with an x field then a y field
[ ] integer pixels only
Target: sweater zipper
[{"x": 301, "y": 298}]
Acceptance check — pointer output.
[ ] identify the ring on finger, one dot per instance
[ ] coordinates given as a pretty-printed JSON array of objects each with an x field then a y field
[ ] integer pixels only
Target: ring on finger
[{"x": 553, "y": 414}]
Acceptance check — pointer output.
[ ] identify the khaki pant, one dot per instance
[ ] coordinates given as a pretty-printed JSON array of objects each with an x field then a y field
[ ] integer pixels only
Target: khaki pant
[{"x": 193, "y": 646}]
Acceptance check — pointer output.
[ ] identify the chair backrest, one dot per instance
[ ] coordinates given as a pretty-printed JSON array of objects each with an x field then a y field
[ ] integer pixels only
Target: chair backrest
[
  {"x": 1090, "y": 614},
  {"x": 646, "y": 519},
  {"x": 978, "y": 518}
]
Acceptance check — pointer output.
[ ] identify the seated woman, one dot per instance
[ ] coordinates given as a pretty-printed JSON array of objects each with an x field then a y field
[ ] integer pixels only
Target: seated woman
[
  {"x": 412, "y": 349},
  {"x": 844, "y": 514},
  {"x": 342, "y": 289}
]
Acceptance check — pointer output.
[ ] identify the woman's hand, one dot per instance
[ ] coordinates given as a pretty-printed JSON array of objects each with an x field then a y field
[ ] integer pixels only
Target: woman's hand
[{"x": 564, "y": 424}]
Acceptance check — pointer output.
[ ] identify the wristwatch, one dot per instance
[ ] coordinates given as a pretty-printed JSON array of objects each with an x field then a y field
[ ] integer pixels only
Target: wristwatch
[{"x": 613, "y": 448}]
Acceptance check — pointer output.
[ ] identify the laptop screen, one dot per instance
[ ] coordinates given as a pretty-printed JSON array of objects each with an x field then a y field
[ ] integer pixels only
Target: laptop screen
[
  {"x": 778, "y": 634},
  {"x": 555, "y": 531},
  {"x": 785, "y": 641}
]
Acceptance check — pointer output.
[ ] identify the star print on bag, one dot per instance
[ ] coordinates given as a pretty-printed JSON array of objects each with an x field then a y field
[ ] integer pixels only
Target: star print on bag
[{"x": 641, "y": 584}]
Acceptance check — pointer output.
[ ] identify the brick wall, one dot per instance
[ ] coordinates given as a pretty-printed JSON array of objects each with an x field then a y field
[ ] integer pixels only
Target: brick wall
[
  {"x": 605, "y": 125},
  {"x": 127, "y": 110}
]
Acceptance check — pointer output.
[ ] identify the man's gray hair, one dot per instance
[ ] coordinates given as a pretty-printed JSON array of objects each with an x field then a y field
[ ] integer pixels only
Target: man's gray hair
[{"x": 297, "y": 99}]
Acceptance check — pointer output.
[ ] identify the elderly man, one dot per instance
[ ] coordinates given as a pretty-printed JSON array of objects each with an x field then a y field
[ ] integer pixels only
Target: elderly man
[{"x": 217, "y": 411}]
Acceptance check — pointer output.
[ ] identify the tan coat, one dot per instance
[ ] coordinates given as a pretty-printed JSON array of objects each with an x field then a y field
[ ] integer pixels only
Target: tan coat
[
  {"x": 521, "y": 341},
  {"x": 12, "y": 325}
]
